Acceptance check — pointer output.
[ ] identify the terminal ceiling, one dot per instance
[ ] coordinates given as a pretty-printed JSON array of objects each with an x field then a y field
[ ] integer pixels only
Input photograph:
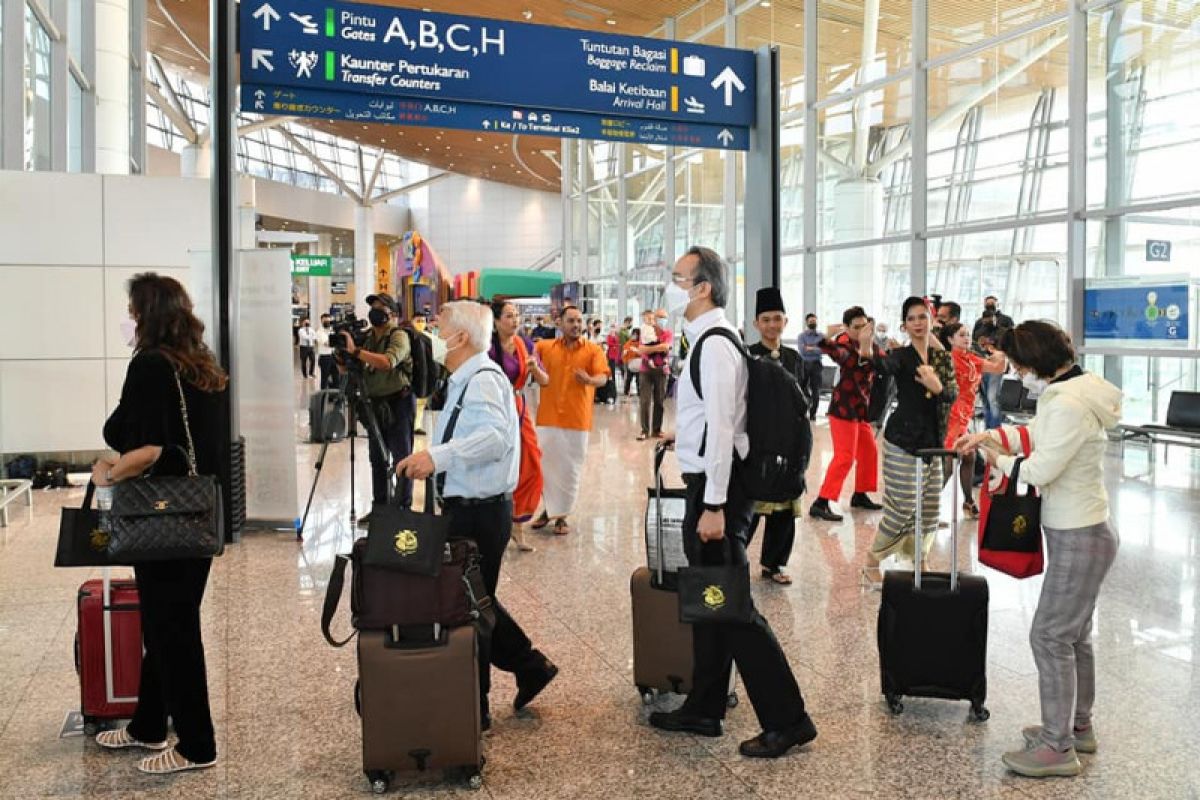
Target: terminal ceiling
[{"x": 533, "y": 161}]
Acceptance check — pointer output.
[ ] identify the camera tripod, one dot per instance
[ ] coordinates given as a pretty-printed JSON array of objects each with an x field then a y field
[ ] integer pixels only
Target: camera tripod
[{"x": 358, "y": 407}]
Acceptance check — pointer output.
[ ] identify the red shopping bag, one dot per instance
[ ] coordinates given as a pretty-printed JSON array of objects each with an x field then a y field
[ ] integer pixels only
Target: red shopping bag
[{"x": 1026, "y": 561}]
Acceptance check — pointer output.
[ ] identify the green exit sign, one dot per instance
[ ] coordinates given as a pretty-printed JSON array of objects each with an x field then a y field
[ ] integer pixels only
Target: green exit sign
[{"x": 312, "y": 266}]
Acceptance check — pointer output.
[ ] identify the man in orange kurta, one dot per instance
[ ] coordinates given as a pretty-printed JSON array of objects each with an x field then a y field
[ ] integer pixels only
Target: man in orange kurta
[{"x": 576, "y": 368}]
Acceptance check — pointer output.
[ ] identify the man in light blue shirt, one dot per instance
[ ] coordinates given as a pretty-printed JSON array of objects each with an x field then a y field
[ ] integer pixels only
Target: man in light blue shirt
[
  {"x": 809, "y": 346},
  {"x": 477, "y": 453}
]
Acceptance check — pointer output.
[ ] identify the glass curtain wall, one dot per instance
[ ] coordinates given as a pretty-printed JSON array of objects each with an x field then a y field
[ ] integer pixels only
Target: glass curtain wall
[{"x": 1027, "y": 149}]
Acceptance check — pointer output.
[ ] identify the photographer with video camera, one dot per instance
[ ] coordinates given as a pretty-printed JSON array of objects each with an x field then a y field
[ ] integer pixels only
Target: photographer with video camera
[{"x": 385, "y": 356}]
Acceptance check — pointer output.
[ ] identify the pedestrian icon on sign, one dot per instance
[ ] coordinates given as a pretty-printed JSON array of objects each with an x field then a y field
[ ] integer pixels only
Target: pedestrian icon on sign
[{"x": 303, "y": 61}]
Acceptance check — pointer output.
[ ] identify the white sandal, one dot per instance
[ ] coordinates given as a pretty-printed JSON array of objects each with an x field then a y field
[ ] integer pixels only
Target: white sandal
[
  {"x": 169, "y": 762},
  {"x": 121, "y": 739}
]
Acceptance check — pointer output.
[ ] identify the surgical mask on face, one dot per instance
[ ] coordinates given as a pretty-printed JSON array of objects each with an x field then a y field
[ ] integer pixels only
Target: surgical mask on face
[
  {"x": 1033, "y": 383},
  {"x": 377, "y": 316},
  {"x": 990, "y": 307},
  {"x": 812, "y": 326},
  {"x": 419, "y": 324},
  {"x": 676, "y": 298},
  {"x": 440, "y": 353},
  {"x": 129, "y": 331}
]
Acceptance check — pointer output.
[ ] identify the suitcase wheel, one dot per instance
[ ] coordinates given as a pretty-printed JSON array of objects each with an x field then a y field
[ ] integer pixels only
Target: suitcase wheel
[
  {"x": 380, "y": 781},
  {"x": 647, "y": 695},
  {"x": 894, "y": 704},
  {"x": 475, "y": 781},
  {"x": 90, "y": 726},
  {"x": 979, "y": 713},
  {"x": 732, "y": 700}
]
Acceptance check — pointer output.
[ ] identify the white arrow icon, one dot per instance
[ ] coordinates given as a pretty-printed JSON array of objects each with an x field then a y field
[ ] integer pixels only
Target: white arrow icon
[
  {"x": 729, "y": 79},
  {"x": 259, "y": 94},
  {"x": 267, "y": 14},
  {"x": 259, "y": 58},
  {"x": 725, "y": 137},
  {"x": 487, "y": 124}
]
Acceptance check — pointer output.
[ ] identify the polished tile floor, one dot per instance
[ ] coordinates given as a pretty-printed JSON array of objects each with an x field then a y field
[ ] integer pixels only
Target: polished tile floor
[{"x": 286, "y": 725}]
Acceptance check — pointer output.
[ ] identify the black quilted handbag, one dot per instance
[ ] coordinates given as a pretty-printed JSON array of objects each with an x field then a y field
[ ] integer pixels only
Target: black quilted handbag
[{"x": 164, "y": 518}]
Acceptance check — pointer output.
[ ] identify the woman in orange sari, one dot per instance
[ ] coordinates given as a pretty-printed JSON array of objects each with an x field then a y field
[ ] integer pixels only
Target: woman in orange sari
[{"x": 509, "y": 353}]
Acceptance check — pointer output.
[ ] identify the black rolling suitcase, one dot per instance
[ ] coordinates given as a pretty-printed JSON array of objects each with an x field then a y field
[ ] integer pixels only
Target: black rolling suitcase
[
  {"x": 327, "y": 416},
  {"x": 933, "y": 627}
]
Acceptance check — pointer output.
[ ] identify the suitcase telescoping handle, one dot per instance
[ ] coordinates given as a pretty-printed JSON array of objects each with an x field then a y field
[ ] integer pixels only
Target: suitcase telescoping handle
[
  {"x": 660, "y": 453},
  {"x": 936, "y": 452}
]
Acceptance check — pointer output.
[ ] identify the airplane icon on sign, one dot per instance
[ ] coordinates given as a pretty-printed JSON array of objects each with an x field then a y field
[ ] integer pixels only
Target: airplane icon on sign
[{"x": 306, "y": 20}]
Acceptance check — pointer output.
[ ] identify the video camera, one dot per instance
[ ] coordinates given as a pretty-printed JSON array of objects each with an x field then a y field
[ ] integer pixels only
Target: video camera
[{"x": 351, "y": 324}]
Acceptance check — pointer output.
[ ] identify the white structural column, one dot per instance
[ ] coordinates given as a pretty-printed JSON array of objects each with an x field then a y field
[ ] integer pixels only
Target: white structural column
[
  {"x": 1077, "y": 151},
  {"x": 624, "y": 259},
  {"x": 862, "y": 104},
  {"x": 364, "y": 257},
  {"x": 566, "y": 173},
  {"x": 319, "y": 289},
  {"x": 919, "y": 250},
  {"x": 858, "y": 216},
  {"x": 195, "y": 161},
  {"x": 112, "y": 87}
]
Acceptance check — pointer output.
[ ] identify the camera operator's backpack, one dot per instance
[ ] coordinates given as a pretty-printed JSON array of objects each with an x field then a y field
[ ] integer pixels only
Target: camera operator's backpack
[
  {"x": 776, "y": 422},
  {"x": 424, "y": 369}
]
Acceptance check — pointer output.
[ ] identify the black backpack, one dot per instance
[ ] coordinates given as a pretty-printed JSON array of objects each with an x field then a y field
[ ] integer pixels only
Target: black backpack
[
  {"x": 776, "y": 422},
  {"x": 424, "y": 369}
]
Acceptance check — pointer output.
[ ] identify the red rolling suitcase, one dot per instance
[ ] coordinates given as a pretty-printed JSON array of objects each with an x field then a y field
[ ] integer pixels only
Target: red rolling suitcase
[
  {"x": 933, "y": 626},
  {"x": 108, "y": 650}
]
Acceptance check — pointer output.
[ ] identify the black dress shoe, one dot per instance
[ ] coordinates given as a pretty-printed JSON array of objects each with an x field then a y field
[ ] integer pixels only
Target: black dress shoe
[
  {"x": 821, "y": 510},
  {"x": 682, "y": 722},
  {"x": 863, "y": 500},
  {"x": 773, "y": 744},
  {"x": 531, "y": 684}
]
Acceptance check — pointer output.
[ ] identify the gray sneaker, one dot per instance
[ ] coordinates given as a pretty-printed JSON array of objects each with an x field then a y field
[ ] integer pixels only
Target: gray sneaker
[
  {"x": 1085, "y": 741},
  {"x": 1043, "y": 761}
]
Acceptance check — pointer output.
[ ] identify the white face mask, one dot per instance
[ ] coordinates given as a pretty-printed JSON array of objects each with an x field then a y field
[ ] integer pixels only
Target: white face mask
[
  {"x": 129, "y": 331},
  {"x": 1033, "y": 383},
  {"x": 676, "y": 298},
  {"x": 440, "y": 353}
]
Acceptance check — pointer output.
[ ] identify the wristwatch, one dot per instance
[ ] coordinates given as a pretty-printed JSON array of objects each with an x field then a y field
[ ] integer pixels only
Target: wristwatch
[{"x": 711, "y": 507}]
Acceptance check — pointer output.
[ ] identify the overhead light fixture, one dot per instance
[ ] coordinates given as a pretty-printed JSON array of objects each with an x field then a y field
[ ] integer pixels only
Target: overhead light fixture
[
  {"x": 527, "y": 14},
  {"x": 765, "y": 4},
  {"x": 610, "y": 21},
  {"x": 364, "y": 127},
  {"x": 479, "y": 138}
]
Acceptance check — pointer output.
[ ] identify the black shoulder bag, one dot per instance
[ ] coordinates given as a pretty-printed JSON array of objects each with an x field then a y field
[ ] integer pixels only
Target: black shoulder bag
[{"x": 165, "y": 518}]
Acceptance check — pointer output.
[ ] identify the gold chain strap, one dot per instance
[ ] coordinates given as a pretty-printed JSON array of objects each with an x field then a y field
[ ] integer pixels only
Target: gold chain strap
[{"x": 187, "y": 426}]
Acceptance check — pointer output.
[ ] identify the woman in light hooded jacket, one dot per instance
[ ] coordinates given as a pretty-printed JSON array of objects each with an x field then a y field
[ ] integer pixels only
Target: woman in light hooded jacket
[{"x": 1067, "y": 466}]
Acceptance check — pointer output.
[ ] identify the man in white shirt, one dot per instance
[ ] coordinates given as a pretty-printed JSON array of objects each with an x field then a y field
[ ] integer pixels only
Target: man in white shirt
[
  {"x": 308, "y": 339},
  {"x": 712, "y": 439},
  {"x": 325, "y": 362}
]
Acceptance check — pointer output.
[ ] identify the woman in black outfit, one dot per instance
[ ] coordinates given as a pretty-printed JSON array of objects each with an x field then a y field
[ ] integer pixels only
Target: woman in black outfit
[
  {"x": 925, "y": 389},
  {"x": 147, "y": 429}
]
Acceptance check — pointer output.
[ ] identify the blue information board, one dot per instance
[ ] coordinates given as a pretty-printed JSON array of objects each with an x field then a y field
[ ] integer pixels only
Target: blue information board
[
  {"x": 487, "y": 118},
  {"x": 384, "y": 50},
  {"x": 1146, "y": 313}
]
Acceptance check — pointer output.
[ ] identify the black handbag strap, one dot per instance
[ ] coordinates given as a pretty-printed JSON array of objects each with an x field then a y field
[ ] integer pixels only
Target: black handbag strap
[
  {"x": 333, "y": 596},
  {"x": 88, "y": 495},
  {"x": 187, "y": 428}
]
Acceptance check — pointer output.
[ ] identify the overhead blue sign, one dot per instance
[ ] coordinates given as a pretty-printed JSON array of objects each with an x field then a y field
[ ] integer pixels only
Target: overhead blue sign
[
  {"x": 1146, "y": 313},
  {"x": 384, "y": 50},
  {"x": 487, "y": 118}
]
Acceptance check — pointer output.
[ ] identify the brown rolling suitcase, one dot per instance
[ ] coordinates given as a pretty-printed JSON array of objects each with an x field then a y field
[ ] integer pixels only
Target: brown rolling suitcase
[
  {"x": 662, "y": 645},
  {"x": 419, "y": 701}
]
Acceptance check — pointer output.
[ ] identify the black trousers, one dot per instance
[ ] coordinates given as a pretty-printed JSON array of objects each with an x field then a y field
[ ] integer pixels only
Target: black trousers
[
  {"x": 779, "y": 535},
  {"x": 329, "y": 373},
  {"x": 307, "y": 360},
  {"x": 632, "y": 377},
  {"x": 396, "y": 425},
  {"x": 507, "y": 648},
  {"x": 764, "y": 668},
  {"x": 174, "y": 682},
  {"x": 810, "y": 384}
]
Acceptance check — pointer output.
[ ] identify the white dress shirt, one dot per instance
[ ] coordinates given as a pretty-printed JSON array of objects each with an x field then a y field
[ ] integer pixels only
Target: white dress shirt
[
  {"x": 323, "y": 348},
  {"x": 724, "y": 379},
  {"x": 308, "y": 337},
  {"x": 483, "y": 457}
]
